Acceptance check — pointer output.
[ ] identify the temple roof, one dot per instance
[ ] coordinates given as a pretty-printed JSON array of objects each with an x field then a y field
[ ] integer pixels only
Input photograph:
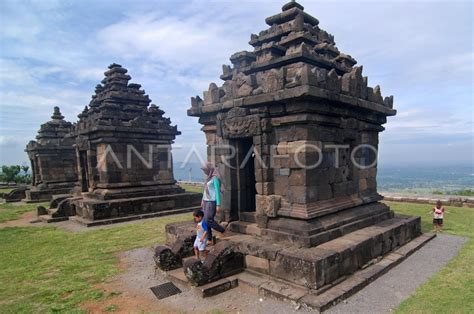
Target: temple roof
[
  {"x": 294, "y": 53},
  {"x": 121, "y": 104},
  {"x": 55, "y": 129}
]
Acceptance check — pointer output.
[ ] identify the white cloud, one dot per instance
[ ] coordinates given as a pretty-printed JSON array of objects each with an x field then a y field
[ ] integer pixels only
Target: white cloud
[
  {"x": 176, "y": 42},
  {"x": 54, "y": 52}
]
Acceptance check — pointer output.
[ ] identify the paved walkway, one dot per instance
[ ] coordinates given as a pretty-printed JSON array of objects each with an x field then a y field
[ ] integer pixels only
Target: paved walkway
[{"x": 387, "y": 292}]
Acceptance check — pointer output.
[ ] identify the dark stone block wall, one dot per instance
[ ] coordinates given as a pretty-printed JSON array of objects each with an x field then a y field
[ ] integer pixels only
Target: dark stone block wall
[
  {"x": 53, "y": 160},
  {"x": 123, "y": 151}
]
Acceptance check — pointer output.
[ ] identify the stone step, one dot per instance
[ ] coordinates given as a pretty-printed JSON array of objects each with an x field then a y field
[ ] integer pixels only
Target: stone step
[
  {"x": 245, "y": 228},
  {"x": 217, "y": 287},
  {"x": 248, "y": 217},
  {"x": 50, "y": 219},
  {"x": 178, "y": 277}
]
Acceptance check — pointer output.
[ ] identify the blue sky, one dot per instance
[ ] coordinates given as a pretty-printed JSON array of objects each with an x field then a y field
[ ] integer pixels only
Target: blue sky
[{"x": 55, "y": 52}]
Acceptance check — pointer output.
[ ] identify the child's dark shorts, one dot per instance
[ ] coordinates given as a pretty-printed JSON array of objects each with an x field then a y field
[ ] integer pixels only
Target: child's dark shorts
[{"x": 438, "y": 221}]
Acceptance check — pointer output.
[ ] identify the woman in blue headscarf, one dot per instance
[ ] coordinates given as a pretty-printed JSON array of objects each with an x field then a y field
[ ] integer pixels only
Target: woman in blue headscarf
[{"x": 211, "y": 198}]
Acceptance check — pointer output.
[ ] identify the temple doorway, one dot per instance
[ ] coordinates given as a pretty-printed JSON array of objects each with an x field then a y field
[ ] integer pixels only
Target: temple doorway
[
  {"x": 243, "y": 180},
  {"x": 84, "y": 170}
]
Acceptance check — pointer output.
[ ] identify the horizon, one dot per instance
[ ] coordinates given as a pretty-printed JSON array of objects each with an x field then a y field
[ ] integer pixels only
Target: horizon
[{"x": 47, "y": 60}]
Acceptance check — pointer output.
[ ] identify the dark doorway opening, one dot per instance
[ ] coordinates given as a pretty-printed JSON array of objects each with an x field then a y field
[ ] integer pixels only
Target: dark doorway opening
[
  {"x": 33, "y": 172},
  {"x": 84, "y": 171},
  {"x": 243, "y": 180}
]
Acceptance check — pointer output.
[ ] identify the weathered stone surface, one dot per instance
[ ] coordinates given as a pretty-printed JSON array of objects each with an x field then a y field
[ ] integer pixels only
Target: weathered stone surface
[
  {"x": 15, "y": 195},
  {"x": 222, "y": 261},
  {"x": 301, "y": 128},
  {"x": 123, "y": 148},
  {"x": 219, "y": 286},
  {"x": 53, "y": 160},
  {"x": 257, "y": 264},
  {"x": 307, "y": 113},
  {"x": 169, "y": 258},
  {"x": 165, "y": 259}
]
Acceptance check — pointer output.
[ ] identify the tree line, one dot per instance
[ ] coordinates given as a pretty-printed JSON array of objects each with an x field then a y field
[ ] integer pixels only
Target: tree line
[{"x": 15, "y": 174}]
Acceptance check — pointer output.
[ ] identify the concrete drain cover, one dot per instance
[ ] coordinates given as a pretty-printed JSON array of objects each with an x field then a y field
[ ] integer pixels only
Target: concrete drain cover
[{"x": 165, "y": 290}]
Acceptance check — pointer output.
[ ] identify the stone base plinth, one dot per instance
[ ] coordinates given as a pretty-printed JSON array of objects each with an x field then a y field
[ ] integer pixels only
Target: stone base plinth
[
  {"x": 318, "y": 276},
  {"x": 92, "y": 212},
  {"x": 313, "y": 232},
  {"x": 37, "y": 196},
  {"x": 101, "y": 222},
  {"x": 96, "y": 212},
  {"x": 324, "y": 298}
]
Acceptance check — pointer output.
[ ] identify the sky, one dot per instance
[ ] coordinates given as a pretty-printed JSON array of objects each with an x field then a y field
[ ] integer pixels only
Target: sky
[{"x": 53, "y": 53}]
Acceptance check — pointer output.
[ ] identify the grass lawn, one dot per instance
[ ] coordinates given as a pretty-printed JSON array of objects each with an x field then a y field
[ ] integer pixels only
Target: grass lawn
[
  {"x": 12, "y": 211},
  {"x": 191, "y": 187},
  {"x": 452, "y": 289},
  {"x": 5, "y": 190},
  {"x": 46, "y": 269}
]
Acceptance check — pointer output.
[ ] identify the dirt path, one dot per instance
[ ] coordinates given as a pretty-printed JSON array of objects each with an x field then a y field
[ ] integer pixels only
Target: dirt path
[
  {"x": 381, "y": 296},
  {"x": 387, "y": 292},
  {"x": 23, "y": 221},
  {"x": 136, "y": 297}
]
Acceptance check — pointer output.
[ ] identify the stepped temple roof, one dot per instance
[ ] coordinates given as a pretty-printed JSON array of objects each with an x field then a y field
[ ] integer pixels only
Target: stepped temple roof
[
  {"x": 293, "y": 58},
  {"x": 54, "y": 130},
  {"x": 123, "y": 106}
]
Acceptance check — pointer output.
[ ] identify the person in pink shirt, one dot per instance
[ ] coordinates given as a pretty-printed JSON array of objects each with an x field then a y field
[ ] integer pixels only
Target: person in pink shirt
[{"x": 438, "y": 216}]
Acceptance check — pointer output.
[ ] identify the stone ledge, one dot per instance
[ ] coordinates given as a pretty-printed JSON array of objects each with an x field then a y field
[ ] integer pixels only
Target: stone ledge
[
  {"x": 93, "y": 223},
  {"x": 218, "y": 286},
  {"x": 449, "y": 200},
  {"x": 363, "y": 277},
  {"x": 322, "y": 300}
]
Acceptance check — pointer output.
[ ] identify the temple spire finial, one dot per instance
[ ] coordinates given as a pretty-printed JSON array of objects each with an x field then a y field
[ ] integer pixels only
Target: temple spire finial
[
  {"x": 292, "y": 4},
  {"x": 57, "y": 114}
]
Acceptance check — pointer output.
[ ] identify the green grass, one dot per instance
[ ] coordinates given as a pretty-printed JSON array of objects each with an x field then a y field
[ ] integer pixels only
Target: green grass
[
  {"x": 463, "y": 192},
  {"x": 191, "y": 187},
  {"x": 46, "y": 269},
  {"x": 12, "y": 211},
  {"x": 5, "y": 190},
  {"x": 452, "y": 289}
]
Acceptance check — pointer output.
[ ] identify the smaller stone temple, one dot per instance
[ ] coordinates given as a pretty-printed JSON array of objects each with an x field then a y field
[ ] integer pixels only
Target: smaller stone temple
[
  {"x": 123, "y": 150},
  {"x": 53, "y": 160}
]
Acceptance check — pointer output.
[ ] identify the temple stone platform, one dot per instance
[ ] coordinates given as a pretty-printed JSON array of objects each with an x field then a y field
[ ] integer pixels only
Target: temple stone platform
[
  {"x": 34, "y": 195},
  {"x": 96, "y": 212},
  {"x": 318, "y": 276}
]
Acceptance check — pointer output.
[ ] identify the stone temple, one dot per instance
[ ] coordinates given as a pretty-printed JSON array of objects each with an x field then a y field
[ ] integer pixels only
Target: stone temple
[
  {"x": 53, "y": 160},
  {"x": 294, "y": 130},
  {"x": 123, "y": 150}
]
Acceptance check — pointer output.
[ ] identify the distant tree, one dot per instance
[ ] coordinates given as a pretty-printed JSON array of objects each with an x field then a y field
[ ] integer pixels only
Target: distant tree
[
  {"x": 25, "y": 168},
  {"x": 9, "y": 173},
  {"x": 23, "y": 178}
]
